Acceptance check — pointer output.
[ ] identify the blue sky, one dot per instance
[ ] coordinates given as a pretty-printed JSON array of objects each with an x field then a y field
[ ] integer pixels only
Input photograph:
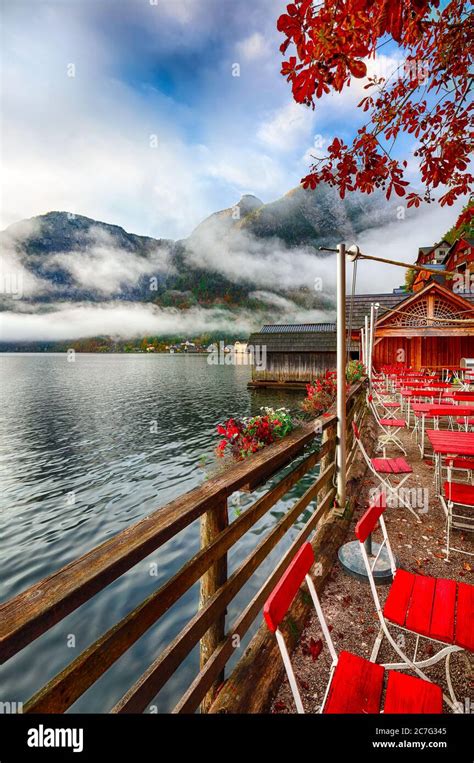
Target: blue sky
[{"x": 128, "y": 111}]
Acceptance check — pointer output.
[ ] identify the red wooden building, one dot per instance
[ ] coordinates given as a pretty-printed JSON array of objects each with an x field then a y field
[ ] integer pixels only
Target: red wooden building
[
  {"x": 420, "y": 329},
  {"x": 458, "y": 258}
]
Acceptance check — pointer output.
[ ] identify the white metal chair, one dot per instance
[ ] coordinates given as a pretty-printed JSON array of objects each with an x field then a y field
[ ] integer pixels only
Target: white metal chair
[
  {"x": 386, "y": 470},
  {"x": 389, "y": 426},
  {"x": 437, "y": 609},
  {"x": 355, "y": 683},
  {"x": 457, "y": 499}
]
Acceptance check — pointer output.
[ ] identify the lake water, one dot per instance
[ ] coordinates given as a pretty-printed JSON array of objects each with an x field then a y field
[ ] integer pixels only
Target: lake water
[{"x": 88, "y": 448}]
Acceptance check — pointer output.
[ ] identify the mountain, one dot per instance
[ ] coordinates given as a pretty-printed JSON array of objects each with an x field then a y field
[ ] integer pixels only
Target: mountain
[
  {"x": 227, "y": 218},
  {"x": 253, "y": 258},
  {"x": 318, "y": 217}
]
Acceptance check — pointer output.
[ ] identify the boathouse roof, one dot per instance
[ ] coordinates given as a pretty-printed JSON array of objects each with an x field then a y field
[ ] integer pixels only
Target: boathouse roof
[
  {"x": 298, "y": 328},
  {"x": 303, "y": 337}
]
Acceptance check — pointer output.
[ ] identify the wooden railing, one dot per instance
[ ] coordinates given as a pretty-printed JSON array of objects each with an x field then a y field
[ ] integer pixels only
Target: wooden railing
[{"x": 33, "y": 612}]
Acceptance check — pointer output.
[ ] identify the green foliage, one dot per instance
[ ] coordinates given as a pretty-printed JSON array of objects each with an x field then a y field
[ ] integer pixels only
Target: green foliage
[
  {"x": 410, "y": 276},
  {"x": 355, "y": 370},
  {"x": 466, "y": 228}
]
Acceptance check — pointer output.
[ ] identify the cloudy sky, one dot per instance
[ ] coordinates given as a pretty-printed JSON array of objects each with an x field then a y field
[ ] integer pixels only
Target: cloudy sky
[
  {"x": 127, "y": 111},
  {"x": 130, "y": 112}
]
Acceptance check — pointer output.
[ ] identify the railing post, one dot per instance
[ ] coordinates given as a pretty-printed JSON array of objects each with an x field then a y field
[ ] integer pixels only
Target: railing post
[{"x": 213, "y": 522}]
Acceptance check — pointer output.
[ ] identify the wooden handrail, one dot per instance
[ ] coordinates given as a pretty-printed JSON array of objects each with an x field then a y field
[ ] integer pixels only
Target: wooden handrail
[
  {"x": 34, "y": 611},
  {"x": 201, "y": 684},
  {"x": 147, "y": 686},
  {"x": 65, "y": 688}
]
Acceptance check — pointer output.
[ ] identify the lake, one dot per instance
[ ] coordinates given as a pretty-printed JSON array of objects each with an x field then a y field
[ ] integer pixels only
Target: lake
[{"x": 88, "y": 448}]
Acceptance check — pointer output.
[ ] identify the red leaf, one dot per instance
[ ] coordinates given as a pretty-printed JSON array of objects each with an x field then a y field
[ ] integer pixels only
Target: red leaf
[
  {"x": 357, "y": 68},
  {"x": 315, "y": 648}
]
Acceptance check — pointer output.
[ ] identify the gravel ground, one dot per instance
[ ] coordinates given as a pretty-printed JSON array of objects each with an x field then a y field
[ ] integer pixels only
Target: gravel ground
[{"x": 349, "y": 609}]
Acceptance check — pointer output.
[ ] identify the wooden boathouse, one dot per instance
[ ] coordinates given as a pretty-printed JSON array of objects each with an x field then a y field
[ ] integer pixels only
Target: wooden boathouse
[{"x": 294, "y": 354}]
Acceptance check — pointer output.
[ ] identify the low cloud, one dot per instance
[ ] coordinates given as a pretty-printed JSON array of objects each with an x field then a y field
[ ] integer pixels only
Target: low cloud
[
  {"x": 128, "y": 321},
  {"x": 104, "y": 268},
  {"x": 16, "y": 280},
  {"x": 400, "y": 241},
  {"x": 262, "y": 262}
]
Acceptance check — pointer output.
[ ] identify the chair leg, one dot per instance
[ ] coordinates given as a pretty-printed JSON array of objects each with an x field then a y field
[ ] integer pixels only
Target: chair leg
[
  {"x": 393, "y": 489},
  {"x": 448, "y": 531},
  {"x": 376, "y": 646}
]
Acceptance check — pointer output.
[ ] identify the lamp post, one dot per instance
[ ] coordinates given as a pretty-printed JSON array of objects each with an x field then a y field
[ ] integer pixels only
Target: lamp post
[
  {"x": 341, "y": 377},
  {"x": 349, "y": 554}
]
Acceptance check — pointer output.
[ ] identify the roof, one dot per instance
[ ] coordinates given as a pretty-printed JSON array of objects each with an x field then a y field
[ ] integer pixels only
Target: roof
[
  {"x": 461, "y": 239},
  {"x": 298, "y": 328},
  {"x": 362, "y": 302},
  {"x": 303, "y": 337},
  {"x": 433, "y": 286}
]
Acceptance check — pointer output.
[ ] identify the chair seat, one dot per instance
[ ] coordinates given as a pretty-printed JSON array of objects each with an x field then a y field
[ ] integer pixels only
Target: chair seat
[
  {"x": 356, "y": 686},
  {"x": 459, "y": 492},
  {"x": 393, "y": 423},
  {"x": 391, "y": 465},
  {"x": 408, "y": 694},
  {"x": 391, "y": 404},
  {"x": 435, "y": 607},
  {"x": 462, "y": 420}
]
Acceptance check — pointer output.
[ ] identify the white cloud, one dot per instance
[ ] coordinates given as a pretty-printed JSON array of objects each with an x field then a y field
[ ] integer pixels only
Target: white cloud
[
  {"x": 103, "y": 268},
  {"x": 246, "y": 169},
  {"x": 253, "y": 47},
  {"x": 92, "y": 150},
  {"x": 128, "y": 321},
  {"x": 181, "y": 10},
  {"x": 287, "y": 127},
  {"x": 400, "y": 241}
]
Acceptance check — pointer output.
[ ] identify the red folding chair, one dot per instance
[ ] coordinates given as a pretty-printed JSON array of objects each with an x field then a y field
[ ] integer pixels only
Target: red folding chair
[
  {"x": 460, "y": 464},
  {"x": 355, "y": 684},
  {"x": 437, "y": 609},
  {"x": 465, "y": 423},
  {"x": 457, "y": 499},
  {"x": 386, "y": 470},
  {"x": 387, "y": 406},
  {"x": 389, "y": 426}
]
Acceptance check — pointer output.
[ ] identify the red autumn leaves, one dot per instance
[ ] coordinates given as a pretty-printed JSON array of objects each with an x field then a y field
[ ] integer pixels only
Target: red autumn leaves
[{"x": 428, "y": 97}]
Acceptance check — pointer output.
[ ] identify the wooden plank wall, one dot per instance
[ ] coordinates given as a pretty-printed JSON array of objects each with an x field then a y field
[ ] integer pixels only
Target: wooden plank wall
[
  {"x": 295, "y": 366},
  {"x": 424, "y": 351}
]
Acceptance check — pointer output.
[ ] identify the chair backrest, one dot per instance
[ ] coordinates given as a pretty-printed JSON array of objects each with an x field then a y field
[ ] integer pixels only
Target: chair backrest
[
  {"x": 361, "y": 447},
  {"x": 280, "y": 599},
  {"x": 278, "y": 603},
  {"x": 367, "y": 523}
]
